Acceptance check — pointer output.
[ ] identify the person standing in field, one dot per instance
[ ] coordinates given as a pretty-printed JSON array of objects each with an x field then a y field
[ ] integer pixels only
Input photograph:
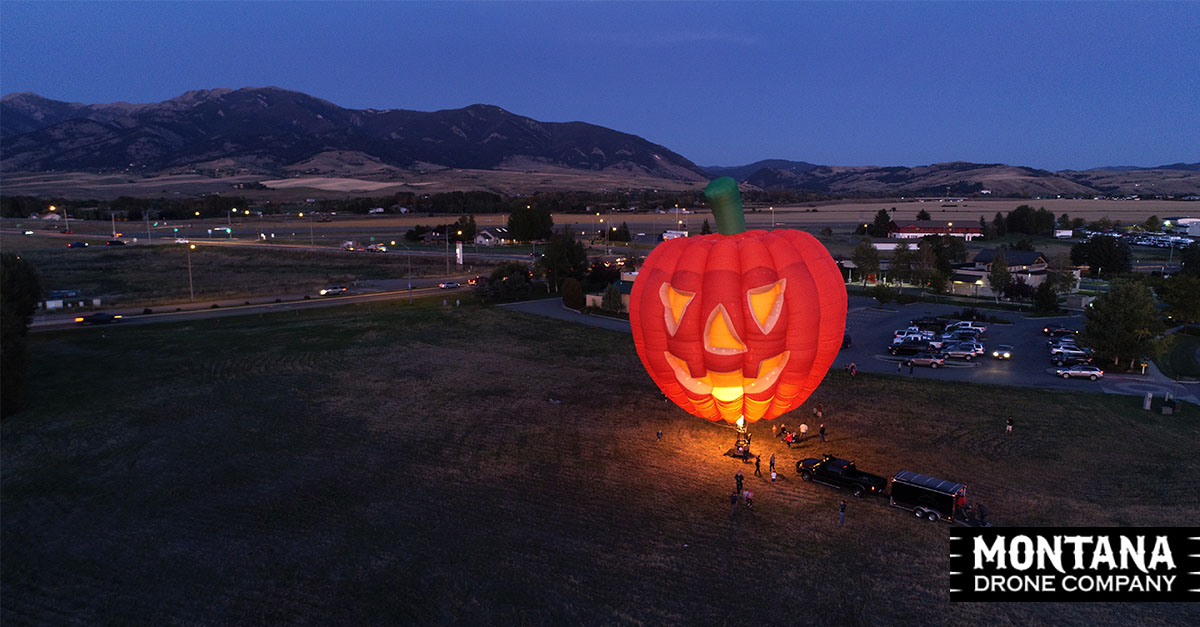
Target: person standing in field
[
  {"x": 822, "y": 431},
  {"x": 772, "y": 462},
  {"x": 1008, "y": 425},
  {"x": 842, "y": 514},
  {"x": 739, "y": 478},
  {"x": 803, "y": 431},
  {"x": 758, "y": 465},
  {"x": 733, "y": 499}
]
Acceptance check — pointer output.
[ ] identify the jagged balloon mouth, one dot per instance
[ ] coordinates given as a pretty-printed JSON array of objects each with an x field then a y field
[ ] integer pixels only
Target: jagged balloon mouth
[{"x": 729, "y": 386}]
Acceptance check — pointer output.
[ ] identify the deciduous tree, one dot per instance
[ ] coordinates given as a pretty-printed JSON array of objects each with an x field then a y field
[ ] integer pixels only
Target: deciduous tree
[
  {"x": 866, "y": 257},
  {"x": 1103, "y": 252},
  {"x": 20, "y": 291},
  {"x": 1121, "y": 324},
  {"x": 564, "y": 258},
  {"x": 999, "y": 276}
]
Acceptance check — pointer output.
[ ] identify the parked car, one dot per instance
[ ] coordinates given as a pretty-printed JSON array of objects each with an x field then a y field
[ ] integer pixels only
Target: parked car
[
  {"x": 333, "y": 290},
  {"x": 967, "y": 324},
  {"x": 1069, "y": 349},
  {"x": 1067, "y": 340},
  {"x": 181, "y": 240},
  {"x": 97, "y": 318},
  {"x": 910, "y": 336},
  {"x": 448, "y": 284},
  {"x": 1055, "y": 330},
  {"x": 1002, "y": 351},
  {"x": 114, "y": 242},
  {"x": 964, "y": 350},
  {"x": 1075, "y": 372},
  {"x": 77, "y": 245},
  {"x": 933, "y": 360},
  {"x": 908, "y": 348},
  {"x": 27, "y": 232},
  {"x": 1071, "y": 360},
  {"x": 937, "y": 325},
  {"x": 954, "y": 337}
]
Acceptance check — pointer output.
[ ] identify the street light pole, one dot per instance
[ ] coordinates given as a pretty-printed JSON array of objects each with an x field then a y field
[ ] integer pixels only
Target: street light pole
[{"x": 191, "y": 291}]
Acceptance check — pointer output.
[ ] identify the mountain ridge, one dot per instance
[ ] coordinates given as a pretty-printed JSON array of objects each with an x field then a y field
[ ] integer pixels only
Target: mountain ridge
[{"x": 273, "y": 133}]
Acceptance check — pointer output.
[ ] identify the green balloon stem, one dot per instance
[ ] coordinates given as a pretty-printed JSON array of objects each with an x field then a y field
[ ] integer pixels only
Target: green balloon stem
[{"x": 726, "y": 203}]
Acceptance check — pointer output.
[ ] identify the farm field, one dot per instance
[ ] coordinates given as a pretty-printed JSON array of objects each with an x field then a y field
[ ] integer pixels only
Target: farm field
[{"x": 386, "y": 463}]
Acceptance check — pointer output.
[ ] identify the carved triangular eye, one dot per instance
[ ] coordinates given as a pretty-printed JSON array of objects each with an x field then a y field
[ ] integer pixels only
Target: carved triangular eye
[
  {"x": 675, "y": 303},
  {"x": 766, "y": 304}
]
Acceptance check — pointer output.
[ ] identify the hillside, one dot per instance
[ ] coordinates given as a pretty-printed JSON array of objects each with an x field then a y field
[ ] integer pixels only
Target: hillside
[
  {"x": 962, "y": 178},
  {"x": 268, "y": 130},
  {"x": 207, "y": 141}
]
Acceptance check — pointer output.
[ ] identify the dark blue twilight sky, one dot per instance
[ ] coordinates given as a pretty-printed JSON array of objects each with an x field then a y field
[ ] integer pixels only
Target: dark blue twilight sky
[{"x": 1057, "y": 85}]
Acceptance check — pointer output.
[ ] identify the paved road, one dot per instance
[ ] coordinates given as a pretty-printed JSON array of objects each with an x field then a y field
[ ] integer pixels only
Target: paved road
[
  {"x": 241, "y": 307},
  {"x": 553, "y": 308}
]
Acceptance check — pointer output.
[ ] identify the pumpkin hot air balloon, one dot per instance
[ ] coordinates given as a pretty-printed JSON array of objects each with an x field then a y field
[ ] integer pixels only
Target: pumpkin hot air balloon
[{"x": 739, "y": 325}]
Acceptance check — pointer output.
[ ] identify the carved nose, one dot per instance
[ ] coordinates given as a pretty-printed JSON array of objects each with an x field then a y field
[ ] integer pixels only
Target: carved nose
[{"x": 720, "y": 338}]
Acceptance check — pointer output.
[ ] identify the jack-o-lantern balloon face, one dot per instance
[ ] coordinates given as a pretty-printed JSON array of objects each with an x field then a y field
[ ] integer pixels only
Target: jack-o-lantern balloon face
[{"x": 738, "y": 325}]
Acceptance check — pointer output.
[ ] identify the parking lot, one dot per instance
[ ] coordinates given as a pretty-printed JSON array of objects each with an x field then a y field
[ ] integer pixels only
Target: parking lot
[{"x": 872, "y": 329}]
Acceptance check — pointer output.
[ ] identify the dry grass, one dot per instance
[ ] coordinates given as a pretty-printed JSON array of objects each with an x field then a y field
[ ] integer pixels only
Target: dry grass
[
  {"x": 385, "y": 463},
  {"x": 153, "y": 275}
]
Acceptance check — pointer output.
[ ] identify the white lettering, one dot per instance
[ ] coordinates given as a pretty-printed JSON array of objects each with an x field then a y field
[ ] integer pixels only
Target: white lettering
[
  {"x": 1137, "y": 553},
  {"x": 1048, "y": 552},
  {"x": 995, "y": 553},
  {"x": 1020, "y": 552},
  {"x": 1104, "y": 553},
  {"x": 981, "y": 583},
  {"x": 1162, "y": 553},
  {"x": 1169, "y": 580},
  {"x": 1078, "y": 542}
]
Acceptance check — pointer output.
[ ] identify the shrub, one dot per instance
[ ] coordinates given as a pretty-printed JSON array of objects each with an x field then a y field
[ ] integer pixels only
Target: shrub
[
  {"x": 572, "y": 294},
  {"x": 882, "y": 293}
]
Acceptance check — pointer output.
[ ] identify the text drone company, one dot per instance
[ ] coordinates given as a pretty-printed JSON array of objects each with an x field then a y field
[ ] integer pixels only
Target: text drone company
[{"x": 1075, "y": 564}]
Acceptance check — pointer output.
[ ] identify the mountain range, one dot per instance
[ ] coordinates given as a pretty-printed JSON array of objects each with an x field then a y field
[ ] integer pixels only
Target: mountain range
[{"x": 253, "y": 134}]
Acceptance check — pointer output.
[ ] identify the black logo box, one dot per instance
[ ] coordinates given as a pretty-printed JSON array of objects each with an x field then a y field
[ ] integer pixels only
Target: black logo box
[{"x": 976, "y": 555}]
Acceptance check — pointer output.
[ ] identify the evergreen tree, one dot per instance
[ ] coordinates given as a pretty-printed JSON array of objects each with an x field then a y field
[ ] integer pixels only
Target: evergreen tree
[
  {"x": 612, "y": 299},
  {"x": 923, "y": 215},
  {"x": 882, "y": 225},
  {"x": 999, "y": 225},
  {"x": 705, "y": 229}
]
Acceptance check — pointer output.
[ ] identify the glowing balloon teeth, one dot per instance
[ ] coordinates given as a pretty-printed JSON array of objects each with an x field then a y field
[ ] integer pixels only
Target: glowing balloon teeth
[{"x": 729, "y": 386}]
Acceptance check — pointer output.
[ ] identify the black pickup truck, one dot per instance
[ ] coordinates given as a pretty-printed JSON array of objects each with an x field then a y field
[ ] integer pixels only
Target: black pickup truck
[{"x": 840, "y": 473}]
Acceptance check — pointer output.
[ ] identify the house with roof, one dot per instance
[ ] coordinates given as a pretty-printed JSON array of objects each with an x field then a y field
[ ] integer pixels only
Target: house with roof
[
  {"x": 915, "y": 229},
  {"x": 493, "y": 236},
  {"x": 1029, "y": 266}
]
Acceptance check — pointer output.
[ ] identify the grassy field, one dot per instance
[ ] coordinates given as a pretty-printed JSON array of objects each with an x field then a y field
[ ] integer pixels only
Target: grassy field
[
  {"x": 404, "y": 464},
  {"x": 149, "y": 275}
]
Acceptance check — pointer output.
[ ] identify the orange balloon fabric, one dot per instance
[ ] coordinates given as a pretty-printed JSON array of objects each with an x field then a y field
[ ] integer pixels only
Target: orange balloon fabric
[{"x": 738, "y": 325}]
